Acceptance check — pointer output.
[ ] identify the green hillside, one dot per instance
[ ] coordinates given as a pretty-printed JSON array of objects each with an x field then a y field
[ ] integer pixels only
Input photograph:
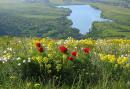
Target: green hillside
[
  {"x": 120, "y": 27},
  {"x": 32, "y": 19}
]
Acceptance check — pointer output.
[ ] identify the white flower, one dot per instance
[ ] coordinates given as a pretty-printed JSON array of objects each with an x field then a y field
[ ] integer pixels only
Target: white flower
[
  {"x": 5, "y": 51},
  {"x": 19, "y": 64},
  {"x": 82, "y": 48},
  {"x": 3, "y": 59},
  {"x": 126, "y": 55},
  {"x": 18, "y": 58},
  {"x": 10, "y": 49},
  {"x": 122, "y": 55},
  {"x": 19, "y": 41},
  {"x": 29, "y": 60},
  {"x": 59, "y": 42},
  {"x": 24, "y": 61}
]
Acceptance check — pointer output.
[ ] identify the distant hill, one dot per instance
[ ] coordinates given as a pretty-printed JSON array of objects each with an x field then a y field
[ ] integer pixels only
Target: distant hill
[
  {"x": 124, "y": 3},
  {"x": 10, "y": 1},
  {"x": 45, "y": 1}
]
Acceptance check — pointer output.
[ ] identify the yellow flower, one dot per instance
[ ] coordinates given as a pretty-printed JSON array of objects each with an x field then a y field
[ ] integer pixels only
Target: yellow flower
[
  {"x": 45, "y": 60},
  {"x": 109, "y": 58},
  {"x": 103, "y": 57},
  {"x": 39, "y": 59},
  {"x": 122, "y": 60}
]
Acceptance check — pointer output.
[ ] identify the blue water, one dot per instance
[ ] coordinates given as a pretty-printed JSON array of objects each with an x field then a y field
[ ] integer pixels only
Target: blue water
[{"x": 83, "y": 16}]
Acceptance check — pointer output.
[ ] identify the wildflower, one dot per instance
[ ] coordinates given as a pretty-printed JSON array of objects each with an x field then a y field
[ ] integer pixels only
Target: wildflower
[
  {"x": 5, "y": 51},
  {"x": 122, "y": 60},
  {"x": 74, "y": 53},
  {"x": 63, "y": 49},
  {"x": 24, "y": 61},
  {"x": 71, "y": 58},
  {"x": 9, "y": 49},
  {"x": 19, "y": 41},
  {"x": 3, "y": 60},
  {"x": 19, "y": 64},
  {"x": 45, "y": 60},
  {"x": 38, "y": 44},
  {"x": 40, "y": 49},
  {"x": 75, "y": 47},
  {"x": 29, "y": 59},
  {"x": 87, "y": 50},
  {"x": 18, "y": 58}
]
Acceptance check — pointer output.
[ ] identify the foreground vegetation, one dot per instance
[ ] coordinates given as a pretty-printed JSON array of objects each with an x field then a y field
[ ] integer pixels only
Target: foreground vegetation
[{"x": 37, "y": 63}]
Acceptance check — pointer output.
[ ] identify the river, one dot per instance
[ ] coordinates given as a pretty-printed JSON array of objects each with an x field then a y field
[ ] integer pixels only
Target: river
[{"x": 83, "y": 16}]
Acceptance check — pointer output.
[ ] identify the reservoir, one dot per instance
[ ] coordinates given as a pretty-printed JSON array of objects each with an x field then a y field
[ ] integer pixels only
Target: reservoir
[{"x": 83, "y": 16}]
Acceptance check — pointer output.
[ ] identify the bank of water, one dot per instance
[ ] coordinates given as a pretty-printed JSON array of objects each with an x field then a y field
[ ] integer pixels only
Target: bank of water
[{"x": 83, "y": 16}]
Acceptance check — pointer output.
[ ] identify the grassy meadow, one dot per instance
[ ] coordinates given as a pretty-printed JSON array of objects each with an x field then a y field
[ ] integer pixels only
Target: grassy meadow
[
  {"x": 43, "y": 63},
  {"x": 42, "y": 51}
]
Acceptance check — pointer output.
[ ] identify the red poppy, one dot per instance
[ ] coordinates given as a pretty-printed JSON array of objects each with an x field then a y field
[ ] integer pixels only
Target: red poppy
[
  {"x": 87, "y": 50},
  {"x": 40, "y": 49},
  {"x": 38, "y": 44},
  {"x": 74, "y": 53},
  {"x": 63, "y": 49},
  {"x": 70, "y": 58}
]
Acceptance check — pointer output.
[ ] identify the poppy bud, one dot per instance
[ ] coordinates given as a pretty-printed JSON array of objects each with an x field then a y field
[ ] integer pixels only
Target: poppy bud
[
  {"x": 70, "y": 58},
  {"x": 63, "y": 49},
  {"x": 40, "y": 49},
  {"x": 38, "y": 44},
  {"x": 87, "y": 50},
  {"x": 74, "y": 53}
]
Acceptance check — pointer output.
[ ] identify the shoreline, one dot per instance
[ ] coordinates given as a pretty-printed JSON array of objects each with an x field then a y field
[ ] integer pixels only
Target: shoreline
[{"x": 94, "y": 7}]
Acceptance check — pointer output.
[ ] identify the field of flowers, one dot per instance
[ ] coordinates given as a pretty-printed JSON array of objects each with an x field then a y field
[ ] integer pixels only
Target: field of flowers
[{"x": 43, "y": 63}]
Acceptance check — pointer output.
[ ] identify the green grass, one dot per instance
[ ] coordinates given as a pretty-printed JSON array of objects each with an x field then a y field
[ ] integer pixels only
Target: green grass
[{"x": 108, "y": 76}]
